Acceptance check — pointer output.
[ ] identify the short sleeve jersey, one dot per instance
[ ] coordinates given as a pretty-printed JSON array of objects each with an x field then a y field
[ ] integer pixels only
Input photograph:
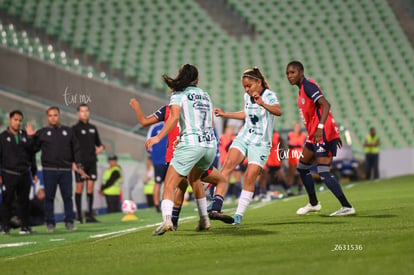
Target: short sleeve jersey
[
  {"x": 158, "y": 151},
  {"x": 196, "y": 119},
  {"x": 162, "y": 114},
  {"x": 88, "y": 137},
  {"x": 311, "y": 112},
  {"x": 274, "y": 157},
  {"x": 258, "y": 126}
]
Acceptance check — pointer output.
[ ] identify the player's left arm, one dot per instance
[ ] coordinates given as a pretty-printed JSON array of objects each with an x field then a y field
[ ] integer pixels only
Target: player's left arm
[
  {"x": 272, "y": 108},
  {"x": 326, "y": 106},
  {"x": 168, "y": 126}
]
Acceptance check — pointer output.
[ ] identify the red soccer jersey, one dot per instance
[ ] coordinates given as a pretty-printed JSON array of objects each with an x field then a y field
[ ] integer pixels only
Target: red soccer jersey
[
  {"x": 162, "y": 114},
  {"x": 274, "y": 158},
  {"x": 310, "y": 112},
  {"x": 296, "y": 143}
]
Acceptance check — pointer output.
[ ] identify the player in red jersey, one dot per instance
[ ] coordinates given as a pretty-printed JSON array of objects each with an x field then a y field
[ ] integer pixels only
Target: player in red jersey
[
  {"x": 321, "y": 144},
  {"x": 212, "y": 175}
]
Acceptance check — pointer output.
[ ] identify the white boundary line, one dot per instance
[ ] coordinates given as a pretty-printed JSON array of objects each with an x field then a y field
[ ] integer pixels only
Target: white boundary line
[{"x": 16, "y": 244}]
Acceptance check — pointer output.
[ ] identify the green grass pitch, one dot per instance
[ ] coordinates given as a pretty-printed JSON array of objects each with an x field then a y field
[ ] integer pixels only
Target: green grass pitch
[{"x": 379, "y": 239}]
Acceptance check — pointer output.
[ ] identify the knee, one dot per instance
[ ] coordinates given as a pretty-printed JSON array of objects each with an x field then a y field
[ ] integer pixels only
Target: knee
[
  {"x": 303, "y": 168},
  {"x": 324, "y": 171}
]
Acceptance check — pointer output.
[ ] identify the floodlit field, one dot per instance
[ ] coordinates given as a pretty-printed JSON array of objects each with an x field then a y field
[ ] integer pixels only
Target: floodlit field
[{"x": 271, "y": 240}]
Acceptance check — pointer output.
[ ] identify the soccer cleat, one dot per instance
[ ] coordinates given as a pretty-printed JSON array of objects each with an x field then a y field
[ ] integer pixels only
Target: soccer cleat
[
  {"x": 91, "y": 219},
  {"x": 308, "y": 208},
  {"x": 5, "y": 230},
  {"x": 343, "y": 211},
  {"x": 25, "y": 230},
  {"x": 164, "y": 227},
  {"x": 70, "y": 226},
  {"x": 203, "y": 224},
  {"x": 237, "y": 219},
  {"x": 215, "y": 215},
  {"x": 50, "y": 228}
]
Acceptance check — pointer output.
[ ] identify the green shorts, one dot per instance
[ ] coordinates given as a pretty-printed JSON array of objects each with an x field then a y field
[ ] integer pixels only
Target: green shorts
[
  {"x": 186, "y": 157},
  {"x": 255, "y": 154}
]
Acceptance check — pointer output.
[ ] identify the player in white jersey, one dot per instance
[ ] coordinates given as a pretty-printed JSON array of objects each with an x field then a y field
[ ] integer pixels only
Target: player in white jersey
[
  {"x": 191, "y": 107},
  {"x": 254, "y": 139}
]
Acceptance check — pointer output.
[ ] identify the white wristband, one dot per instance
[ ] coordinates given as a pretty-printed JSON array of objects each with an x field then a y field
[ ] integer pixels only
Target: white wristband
[{"x": 320, "y": 126}]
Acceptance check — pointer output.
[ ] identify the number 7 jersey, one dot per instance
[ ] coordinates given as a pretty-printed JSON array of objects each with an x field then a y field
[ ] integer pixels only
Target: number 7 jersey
[{"x": 196, "y": 119}]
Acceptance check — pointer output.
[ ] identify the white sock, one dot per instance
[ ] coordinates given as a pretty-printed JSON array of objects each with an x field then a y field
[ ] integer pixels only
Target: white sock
[
  {"x": 167, "y": 208},
  {"x": 244, "y": 200},
  {"x": 202, "y": 207}
]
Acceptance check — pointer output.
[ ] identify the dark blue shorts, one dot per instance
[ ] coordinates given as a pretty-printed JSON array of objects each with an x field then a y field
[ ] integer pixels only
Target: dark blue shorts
[
  {"x": 325, "y": 149},
  {"x": 159, "y": 173}
]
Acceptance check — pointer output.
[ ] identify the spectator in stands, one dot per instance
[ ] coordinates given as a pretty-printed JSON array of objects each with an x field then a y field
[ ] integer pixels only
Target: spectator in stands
[
  {"x": 296, "y": 140},
  {"x": 111, "y": 184},
  {"x": 17, "y": 161},
  {"x": 90, "y": 146},
  {"x": 371, "y": 147},
  {"x": 192, "y": 108},
  {"x": 322, "y": 142},
  {"x": 60, "y": 150},
  {"x": 255, "y": 138}
]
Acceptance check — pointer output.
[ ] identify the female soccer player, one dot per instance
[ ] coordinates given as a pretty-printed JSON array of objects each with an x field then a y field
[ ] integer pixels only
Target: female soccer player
[
  {"x": 321, "y": 144},
  {"x": 255, "y": 138},
  {"x": 212, "y": 175},
  {"x": 192, "y": 108}
]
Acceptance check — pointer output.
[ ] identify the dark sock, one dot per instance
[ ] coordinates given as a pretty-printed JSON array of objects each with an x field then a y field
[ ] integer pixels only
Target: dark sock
[
  {"x": 90, "y": 202},
  {"x": 307, "y": 180},
  {"x": 78, "y": 202},
  {"x": 175, "y": 215},
  {"x": 284, "y": 184},
  {"x": 217, "y": 203},
  {"x": 335, "y": 187}
]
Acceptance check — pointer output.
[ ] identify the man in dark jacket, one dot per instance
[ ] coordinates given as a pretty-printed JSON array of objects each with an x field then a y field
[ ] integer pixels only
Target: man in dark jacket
[
  {"x": 60, "y": 151},
  {"x": 17, "y": 160}
]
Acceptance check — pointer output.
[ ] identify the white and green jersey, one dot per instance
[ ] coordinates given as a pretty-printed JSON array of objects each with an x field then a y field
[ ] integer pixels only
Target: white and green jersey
[
  {"x": 196, "y": 119},
  {"x": 258, "y": 125}
]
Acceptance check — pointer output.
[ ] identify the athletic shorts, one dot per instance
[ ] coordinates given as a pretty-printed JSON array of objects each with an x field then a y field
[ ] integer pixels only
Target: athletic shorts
[
  {"x": 186, "y": 157},
  {"x": 160, "y": 170},
  {"x": 324, "y": 149},
  {"x": 255, "y": 154},
  {"x": 90, "y": 170}
]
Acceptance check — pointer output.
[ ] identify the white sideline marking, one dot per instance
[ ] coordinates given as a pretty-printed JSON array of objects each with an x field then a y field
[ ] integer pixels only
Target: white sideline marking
[
  {"x": 56, "y": 240},
  {"x": 350, "y": 186},
  {"x": 15, "y": 244},
  {"x": 122, "y": 232}
]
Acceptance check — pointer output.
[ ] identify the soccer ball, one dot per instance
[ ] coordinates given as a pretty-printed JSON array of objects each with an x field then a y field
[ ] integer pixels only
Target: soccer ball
[{"x": 129, "y": 207}]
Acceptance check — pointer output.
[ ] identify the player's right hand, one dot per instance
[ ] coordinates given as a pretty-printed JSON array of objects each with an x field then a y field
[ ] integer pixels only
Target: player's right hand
[
  {"x": 218, "y": 112},
  {"x": 134, "y": 104}
]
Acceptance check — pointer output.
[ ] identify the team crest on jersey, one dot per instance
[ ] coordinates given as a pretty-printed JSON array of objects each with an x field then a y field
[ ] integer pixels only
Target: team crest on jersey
[
  {"x": 24, "y": 139},
  {"x": 8, "y": 139},
  {"x": 49, "y": 133},
  {"x": 64, "y": 133},
  {"x": 92, "y": 130},
  {"x": 83, "y": 132},
  {"x": 303, "y": 101}
]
